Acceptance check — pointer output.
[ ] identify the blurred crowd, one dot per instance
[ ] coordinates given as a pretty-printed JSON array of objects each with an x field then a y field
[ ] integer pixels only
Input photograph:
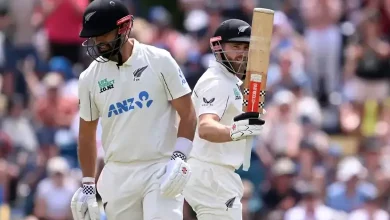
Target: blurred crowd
[{"x": 325, "y": 150}]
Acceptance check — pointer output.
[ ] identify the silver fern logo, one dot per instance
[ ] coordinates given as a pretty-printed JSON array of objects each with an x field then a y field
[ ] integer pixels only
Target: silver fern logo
[
  {"x": 89, "y": 15},
  {"x": 242, "y": 29},
  {"x": 137, "y": 73},
  {"x": 229, "y": 203}
]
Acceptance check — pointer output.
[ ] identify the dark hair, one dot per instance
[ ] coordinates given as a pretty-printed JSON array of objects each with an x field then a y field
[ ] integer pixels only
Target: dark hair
[{"x": 16, "y": 99}]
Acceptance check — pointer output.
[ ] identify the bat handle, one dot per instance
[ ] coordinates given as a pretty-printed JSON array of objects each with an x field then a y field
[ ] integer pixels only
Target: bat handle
[{"x": 247, "y": 155}]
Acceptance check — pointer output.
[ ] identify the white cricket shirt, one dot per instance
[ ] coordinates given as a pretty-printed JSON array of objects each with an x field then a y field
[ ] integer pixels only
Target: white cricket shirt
[
  {"x": 133, "y": 103},
  {"x": 218, "y": 92}
]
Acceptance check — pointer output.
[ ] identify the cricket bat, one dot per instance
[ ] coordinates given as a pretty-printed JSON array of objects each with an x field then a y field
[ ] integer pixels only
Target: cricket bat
[{"x": 254, "y": 87}]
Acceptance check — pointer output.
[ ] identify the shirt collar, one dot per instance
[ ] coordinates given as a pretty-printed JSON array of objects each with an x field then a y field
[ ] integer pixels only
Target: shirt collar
[
  {"x": 222, "y": 68},
  {"x": 134, "y": 53}
]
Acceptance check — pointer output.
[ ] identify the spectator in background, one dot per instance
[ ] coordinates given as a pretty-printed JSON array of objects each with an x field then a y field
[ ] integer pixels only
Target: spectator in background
[
  {"x": 5, "y": 149},
  {"x": 282, "y": 133},
  {"x": 382, "y": 8},
  {"x": 167, "y": 37},
  {"x": 62, "y": 20},
  {"x": 64, "y": 67},
  {"x": 371, "y": 150},
  {"x": 310, "y": 160},
  {"x": 306, "y": 50},
  {"x": 33, "y": 172},
  {"x": 280, "y": 194},
  {"x": 311, "y": 207},
  {"x": 53, "y": 112},
  {"x": 18, "y": 127},
  {"x": 331, "y": 160},
  {"x": 19, "y": 40},
  {"x": 370, "y": 210},
  {"x": 246, "y": 199},
  {"x": 323, "y": 40},
  {"x": 350, "y": 191},
  {"x": 285, "y": 74},
  {"x": 367, "y": 67},
  {"x": 55, "y": 192},
  {"x": 59, "y": 65},
  {"x": 291, "y": 9}
]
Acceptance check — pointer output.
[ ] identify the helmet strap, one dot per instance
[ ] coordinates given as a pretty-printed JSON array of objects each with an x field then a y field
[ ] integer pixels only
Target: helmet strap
[
  {"x": 122, "y": 38},
  {"x": 118, "y": 45},
  {"x": 226, "y": 63}
]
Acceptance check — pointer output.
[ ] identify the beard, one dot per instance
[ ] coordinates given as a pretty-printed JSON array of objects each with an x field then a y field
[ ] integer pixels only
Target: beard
[
  {"x": 108, "y": 51},
  {"x": 238, "y": 65}
]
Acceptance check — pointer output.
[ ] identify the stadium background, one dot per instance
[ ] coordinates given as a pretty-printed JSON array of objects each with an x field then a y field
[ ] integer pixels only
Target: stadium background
[{"x": 327, "y": 98}]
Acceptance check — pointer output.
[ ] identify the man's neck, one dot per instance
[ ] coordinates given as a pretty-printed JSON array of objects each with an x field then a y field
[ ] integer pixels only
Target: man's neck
[{"x": 127, "y": 49}]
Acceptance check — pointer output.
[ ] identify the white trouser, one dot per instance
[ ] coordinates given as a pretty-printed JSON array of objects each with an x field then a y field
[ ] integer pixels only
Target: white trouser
[
  {"x": 324, "y": 48},
  {"x": 131, "y": 191},
  {"x": 209, "y": 190}
]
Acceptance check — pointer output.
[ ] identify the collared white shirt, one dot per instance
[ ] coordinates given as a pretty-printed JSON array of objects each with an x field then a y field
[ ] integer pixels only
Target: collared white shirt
[
  {"x": 321, "y": 212},
  {"x": 218, "y": 92},
  {"x": 133, "y": 102},
  {"x": 362, "y": 214}
]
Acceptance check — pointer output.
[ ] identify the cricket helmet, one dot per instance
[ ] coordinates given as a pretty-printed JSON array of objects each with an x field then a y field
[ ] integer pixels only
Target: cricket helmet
[
  {"x": 101, "y": 17},
  {"x": 230, "y": 31}
]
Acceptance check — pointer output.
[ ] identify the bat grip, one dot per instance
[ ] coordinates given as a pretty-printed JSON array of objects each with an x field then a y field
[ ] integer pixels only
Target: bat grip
[{"x": 247, "y": 155}]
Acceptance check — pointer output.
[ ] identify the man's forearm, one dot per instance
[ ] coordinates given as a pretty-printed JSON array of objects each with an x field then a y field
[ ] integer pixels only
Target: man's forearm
[
  {"x": 87, "y": 156},
  {"x": 214, "y": 131},
  {"x": 185, "y": 134},
  {"x": 187, "y": 127}
]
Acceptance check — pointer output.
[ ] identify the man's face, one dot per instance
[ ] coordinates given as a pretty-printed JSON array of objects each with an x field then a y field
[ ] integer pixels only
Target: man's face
[
  {"x": 52, "y": 92},
  {"x": 58, "y": 178},
  {"x": 372, "y": 159},
  {"x": 283, "y": 183},
  {"x": 237, "y": 55},
  {"x": 105, "y": 44},
  {"x": 285, "y": 65}
]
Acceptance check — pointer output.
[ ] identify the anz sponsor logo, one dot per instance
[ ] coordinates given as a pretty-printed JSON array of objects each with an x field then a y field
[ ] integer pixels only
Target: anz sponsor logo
[{"x": 142, "y": 101}]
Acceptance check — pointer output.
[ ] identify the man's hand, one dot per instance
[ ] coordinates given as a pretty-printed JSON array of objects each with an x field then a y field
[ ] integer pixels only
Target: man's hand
[
  {"x": 84, "y": 205},
  {"x": 174, "y": 176},
  {"x": 246, "y": 124}
]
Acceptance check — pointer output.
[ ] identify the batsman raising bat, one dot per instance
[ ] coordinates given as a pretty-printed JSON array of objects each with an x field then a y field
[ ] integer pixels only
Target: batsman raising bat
[
  {"x": 135, "y": 90},
  {"x": 214, "y": 190}
]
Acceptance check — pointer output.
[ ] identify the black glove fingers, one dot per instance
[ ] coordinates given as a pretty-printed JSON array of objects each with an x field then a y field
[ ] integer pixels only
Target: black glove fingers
[
  {"x": 246, "y": 115},
  {"x": 257, "y": 121}
]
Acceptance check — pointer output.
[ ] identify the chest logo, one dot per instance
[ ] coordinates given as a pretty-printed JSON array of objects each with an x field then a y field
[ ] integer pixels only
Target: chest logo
[
  {"x": 237, "y": 94},
  {"x": 143, "y": 101},
  {"x": 137, "y": 73},
  {"x": 105, "y": 85},
  {"x": 208, "y": 102},
  {"x": 182, "y": 78}
]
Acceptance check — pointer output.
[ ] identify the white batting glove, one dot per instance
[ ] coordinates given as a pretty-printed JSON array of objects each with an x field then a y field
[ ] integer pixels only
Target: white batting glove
[
  {"x": 174, "y": 176},
  {"x": 84, "y": 205},
  {"x": 246, "y": 124}
]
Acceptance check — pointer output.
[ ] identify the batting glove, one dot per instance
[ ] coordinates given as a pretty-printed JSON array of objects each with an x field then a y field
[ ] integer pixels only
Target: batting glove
[
  {"x": 246, "y": 124},
  {"x": 174, "y": 176},
  {"x": 84, "y": 205}
]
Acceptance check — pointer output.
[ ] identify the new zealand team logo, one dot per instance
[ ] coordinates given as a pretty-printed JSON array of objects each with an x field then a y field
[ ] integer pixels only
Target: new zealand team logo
[
  {"x": 142, "y": 101},
  {"x": 229, "y": 203},
  {"x": 137, "y": 73}
]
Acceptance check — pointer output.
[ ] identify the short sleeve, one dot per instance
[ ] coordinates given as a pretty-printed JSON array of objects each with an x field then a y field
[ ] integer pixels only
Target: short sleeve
[
  {"x": 211, "y": 98},
  {"x": 42, "y": 188},
  {"x": 175, "y": 83},
  {"x": 87, "y": 107}
]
